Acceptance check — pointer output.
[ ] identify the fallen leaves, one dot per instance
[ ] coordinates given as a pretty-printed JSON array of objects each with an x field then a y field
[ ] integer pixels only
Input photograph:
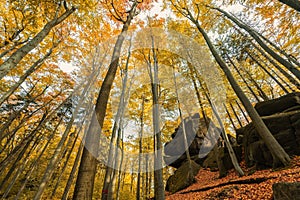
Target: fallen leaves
[{"x": 209, "y": 186}]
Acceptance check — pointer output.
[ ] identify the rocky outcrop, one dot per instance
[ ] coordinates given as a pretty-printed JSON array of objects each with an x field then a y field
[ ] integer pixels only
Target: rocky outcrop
[
  {"x": 219, "y": 159},
  {"x": 200, "y": 139},
  {"x": 183, "y": 177},
  {"x": 282, "y": 117},
  {"x": 286, "y": 191}
]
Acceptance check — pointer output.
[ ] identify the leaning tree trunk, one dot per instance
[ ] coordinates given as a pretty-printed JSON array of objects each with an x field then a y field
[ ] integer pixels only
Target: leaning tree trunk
[
  {"x": 295, "y": 4},
  {"x": 230, "y": 118},
  {"x": 276, "y": 56},
  {"x": 236, "y": 115},
  {"x": 242, "y": 111},
  {"x": 244, "y": 80},
  {"x": 267, "y": 72},
  {"x": 18, "y": 55},
  {"x": 279, "y": 68},
  {"x": 280, "y": 157},
  {"x": 32, "y": 68},
  {"x": 185, "y": 142}
]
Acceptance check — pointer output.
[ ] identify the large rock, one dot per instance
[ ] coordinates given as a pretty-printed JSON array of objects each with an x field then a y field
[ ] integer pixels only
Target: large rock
[
  {"x": 182, "y": 177},
  {"x": 278, "y": 105},
  {"x": 285, "y": 127},
  {"x": 200, "y": 139},
  {"x": 286, "y": 191},
  {"x": 219, "y": 159}
]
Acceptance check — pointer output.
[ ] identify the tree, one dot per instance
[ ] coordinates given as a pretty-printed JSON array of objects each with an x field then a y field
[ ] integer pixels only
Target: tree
[
  {"x": 18, "y": 55},
  {"x": 87, "y": 168},
  {"x": 280, "y": 157},
  {"x": 295, "y": 4},
  {"x": 272, "y": 53}
]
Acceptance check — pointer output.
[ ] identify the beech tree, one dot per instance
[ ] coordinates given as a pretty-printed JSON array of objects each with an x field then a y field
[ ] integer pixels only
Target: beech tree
[{"x": 280, "y": 157}]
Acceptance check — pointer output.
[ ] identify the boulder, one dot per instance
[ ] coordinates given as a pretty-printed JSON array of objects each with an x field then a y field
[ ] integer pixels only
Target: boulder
[
  {"x": 286, "y": 191},
  {"x": 285, "y": 127},
  {"x": 278, "y": 105},
  {"x": 182, "y": 177},
  {"x": 219, "y": 159},
  {"x": 200, "y": 139}
]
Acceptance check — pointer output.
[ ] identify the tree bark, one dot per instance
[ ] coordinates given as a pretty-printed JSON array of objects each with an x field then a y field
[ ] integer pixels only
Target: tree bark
[
  {"x": 33, "y": 68},
  {"x": 87, "y": 169},
  {"x": 17, "y": 56},
  {"x": 295, "y": 4},
  {"x": 244, "y": 80},
  {"x": 276, "y": 56},
  {"x": 159, "y": 192},
  {"x": 280, "y": 157}
]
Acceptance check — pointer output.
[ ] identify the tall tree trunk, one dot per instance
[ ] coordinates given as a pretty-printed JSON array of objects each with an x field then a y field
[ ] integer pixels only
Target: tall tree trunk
[
  {"x": 87, "y": 169},
  {"x": 118, "y": 126},
  {"x": 53, "y": 162},
  {"x": 280, "y": 157},
  {"x": 33, "y": 68},
  {"x": 138, "y": 185},
  {"x": 244, "y": 80},
  {"x": 295, "y": 4},
  {"x": 18, "y": 55},
  {"x": 276, "y": 56},
  {"x": 267, "y": 71},
  {"x": 279, "y": 68},
  {"x": 158, "y": 167},
  {"x": 185, "y": 142}
]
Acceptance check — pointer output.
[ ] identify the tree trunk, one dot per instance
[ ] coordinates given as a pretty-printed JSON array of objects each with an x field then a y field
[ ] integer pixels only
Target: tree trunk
[
  {"x": 138, "y": 185},
  {"x": 33, "y": 68},
  {"x": 295, "y": 4},
  {"x": 87, "y": 170},
  {"x": 244, "y": 80},
  {"x": 53, "y": 162},
  {"x": 236, "y": 115},
  {"x": 276, "y": 56},
  {"x": 186, "y": 146},
  {"x": 230, "y": 118},
  {"x": 280, "y": 157},
  {"x": 158, "y": 167},
  {"x": 113, "y": 158},
  {"x": 17, "y": 56}
]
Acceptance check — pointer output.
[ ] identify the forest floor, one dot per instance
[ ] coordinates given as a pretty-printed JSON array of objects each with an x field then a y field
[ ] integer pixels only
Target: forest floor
[{"x": 254, "y": 185}]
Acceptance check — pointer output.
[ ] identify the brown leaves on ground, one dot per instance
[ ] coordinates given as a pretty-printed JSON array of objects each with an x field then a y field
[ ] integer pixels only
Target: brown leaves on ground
[{"x": 257, "y": 185}]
